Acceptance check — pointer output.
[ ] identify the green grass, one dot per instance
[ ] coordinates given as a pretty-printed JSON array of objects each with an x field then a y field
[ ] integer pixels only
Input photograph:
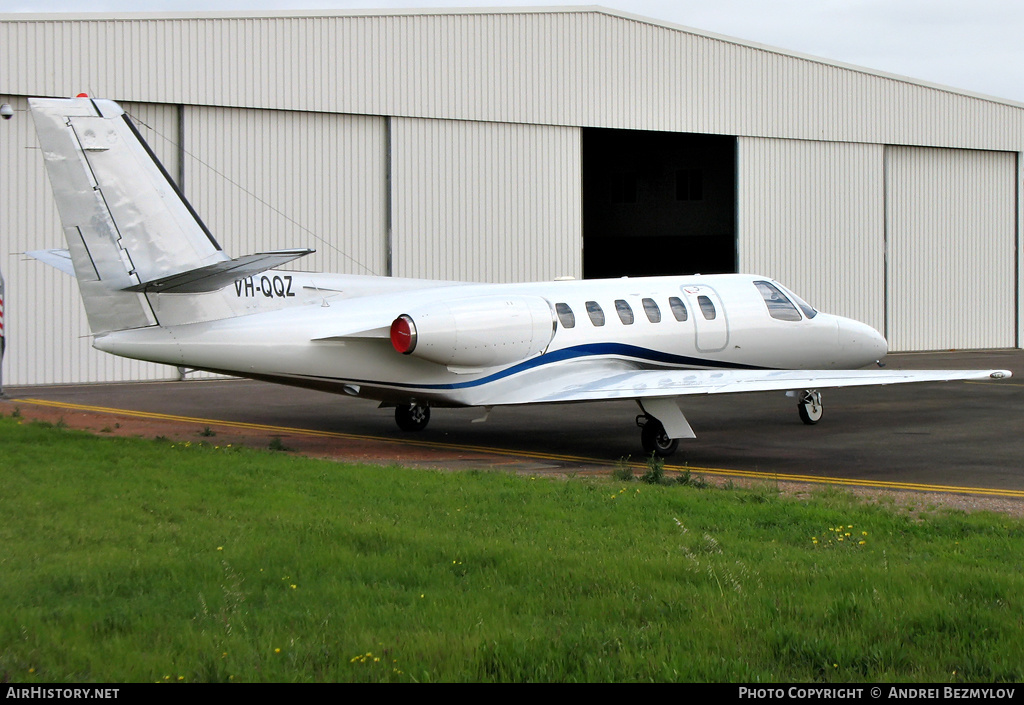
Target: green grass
[{"x": 141, "y": 560}]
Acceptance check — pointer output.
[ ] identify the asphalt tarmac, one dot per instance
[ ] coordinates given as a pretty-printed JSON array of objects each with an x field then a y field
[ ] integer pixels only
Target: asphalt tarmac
[{"x": 959, "y": 434}]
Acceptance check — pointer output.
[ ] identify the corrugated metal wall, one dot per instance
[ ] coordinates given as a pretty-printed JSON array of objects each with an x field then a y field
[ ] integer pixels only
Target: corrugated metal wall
[
  {"x": 582, "y": 68},
  {"x": 485, "y": 201},
  {"x": 48, "y": 338},
  {"x": 811, "y": 215},
  {"x": 950, "y": 222},
  {"x": 265, "y": 180},
  {"x": 820, "y": 217}
]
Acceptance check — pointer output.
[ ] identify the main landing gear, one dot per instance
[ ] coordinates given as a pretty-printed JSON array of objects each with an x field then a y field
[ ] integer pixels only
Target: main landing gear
[
  {"x": 654, "y": 438},
  {"x": 412, "y": 417},
  {"x": 809, "y": 406},
  {"x": 662, "y": 424}
]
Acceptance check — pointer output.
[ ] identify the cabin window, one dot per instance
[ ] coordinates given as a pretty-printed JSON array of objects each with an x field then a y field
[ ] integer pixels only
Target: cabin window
[
  {"x": 778, "y": 305},
  {"x": 625, "y": 312},
  {"x": 596, "y": 313},
  {"x": 678, "y": 308},
  {"x": 707, "y": 308},
  {"x": 652, "y": 311},
  {"x": 565, "y": 315}
]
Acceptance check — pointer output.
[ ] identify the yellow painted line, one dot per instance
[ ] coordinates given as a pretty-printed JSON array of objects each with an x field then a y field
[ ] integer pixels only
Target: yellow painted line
[
  {"x": 722, "y": 472},
  {"x": 311, "y": 432}
]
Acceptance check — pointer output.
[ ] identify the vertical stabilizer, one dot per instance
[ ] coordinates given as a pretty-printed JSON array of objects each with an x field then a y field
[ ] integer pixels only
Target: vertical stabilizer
[{"x": 124, "y": 219}]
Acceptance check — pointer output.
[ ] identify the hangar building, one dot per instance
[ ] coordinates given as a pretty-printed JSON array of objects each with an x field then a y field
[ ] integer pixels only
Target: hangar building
[{"x": 511, "y": 145}]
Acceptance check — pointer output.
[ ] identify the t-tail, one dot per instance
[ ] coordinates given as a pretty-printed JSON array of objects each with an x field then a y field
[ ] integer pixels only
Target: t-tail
[{"x": 130, "y": 232}]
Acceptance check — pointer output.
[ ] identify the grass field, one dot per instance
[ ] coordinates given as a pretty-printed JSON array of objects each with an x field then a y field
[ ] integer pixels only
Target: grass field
[{"x": 144, "y": 560}]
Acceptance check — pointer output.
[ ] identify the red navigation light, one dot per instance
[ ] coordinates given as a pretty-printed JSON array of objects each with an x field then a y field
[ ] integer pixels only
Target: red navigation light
[{"x": 403, "y": 334}]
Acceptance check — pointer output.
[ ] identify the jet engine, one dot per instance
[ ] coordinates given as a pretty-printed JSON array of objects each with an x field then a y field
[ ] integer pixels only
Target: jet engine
[{"x": 476, "y": 332}]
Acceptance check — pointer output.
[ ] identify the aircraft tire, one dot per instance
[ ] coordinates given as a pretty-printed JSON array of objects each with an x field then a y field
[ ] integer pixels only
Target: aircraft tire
[
  {"x": 810, "y": 408},
  {"x": 412, "y": 417},
  {"x": 655, "y": 440}
]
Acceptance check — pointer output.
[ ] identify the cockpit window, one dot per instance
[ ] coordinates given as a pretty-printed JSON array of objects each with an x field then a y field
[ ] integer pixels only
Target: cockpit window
[
  {"x": 596, "y": 313},
  {"x": 652, "y": 311},
  {"x": 678, "y": 308},
  {"x": 565, "y": 315},
  {"x": 707, "y": 307},
  {"x": 808, "y": 310},
  {"x": 778, "y": 305},
  {"x": 625, "y": 312}
]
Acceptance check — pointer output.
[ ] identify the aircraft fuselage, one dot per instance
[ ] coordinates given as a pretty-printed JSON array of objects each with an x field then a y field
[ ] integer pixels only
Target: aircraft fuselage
[{"x": 297, "y": 328}]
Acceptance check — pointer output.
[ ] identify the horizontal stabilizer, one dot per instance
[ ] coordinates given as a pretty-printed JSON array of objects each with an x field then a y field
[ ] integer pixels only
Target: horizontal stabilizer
[
  {"x": 60, "y": 259},
  {"x": 219, "y": 274}
]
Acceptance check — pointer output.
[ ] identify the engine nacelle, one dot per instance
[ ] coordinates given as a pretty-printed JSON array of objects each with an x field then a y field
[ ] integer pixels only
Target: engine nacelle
[{"x": 482, "y": 331}]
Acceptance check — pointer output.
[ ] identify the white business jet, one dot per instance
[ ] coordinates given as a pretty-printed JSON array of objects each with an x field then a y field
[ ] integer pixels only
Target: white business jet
[{"x": 158, "y": 287}]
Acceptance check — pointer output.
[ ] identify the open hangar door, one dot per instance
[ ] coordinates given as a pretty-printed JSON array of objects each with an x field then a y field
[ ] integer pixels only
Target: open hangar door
[
  {"x": 951, "y": 233},
  {"x": 657, "y": 203}
]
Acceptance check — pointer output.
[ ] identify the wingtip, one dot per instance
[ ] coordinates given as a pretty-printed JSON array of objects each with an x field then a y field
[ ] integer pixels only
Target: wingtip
[{"x": 1001, "y": 374}]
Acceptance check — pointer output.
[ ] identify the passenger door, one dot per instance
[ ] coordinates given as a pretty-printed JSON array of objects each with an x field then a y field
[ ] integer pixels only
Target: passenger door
[{"x": 710, "y": 323}]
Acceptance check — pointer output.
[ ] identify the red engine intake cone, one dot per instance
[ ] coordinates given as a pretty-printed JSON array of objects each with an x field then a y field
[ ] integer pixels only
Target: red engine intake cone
[{"x": 403, "y": 334}]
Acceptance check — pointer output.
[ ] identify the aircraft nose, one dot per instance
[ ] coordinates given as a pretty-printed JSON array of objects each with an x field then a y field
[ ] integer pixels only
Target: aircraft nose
[{"x": 861, "y": 341}]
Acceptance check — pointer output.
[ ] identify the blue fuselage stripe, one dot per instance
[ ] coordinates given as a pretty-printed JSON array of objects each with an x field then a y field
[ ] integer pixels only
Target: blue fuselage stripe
[{"x": 577, "y": 351}]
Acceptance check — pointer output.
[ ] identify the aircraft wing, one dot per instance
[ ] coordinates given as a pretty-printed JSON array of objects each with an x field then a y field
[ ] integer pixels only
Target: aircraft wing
[{"x": 610, "y": 382}]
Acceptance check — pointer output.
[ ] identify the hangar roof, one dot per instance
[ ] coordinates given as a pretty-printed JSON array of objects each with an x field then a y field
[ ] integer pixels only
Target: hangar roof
[{"x": 575, "y": 66}]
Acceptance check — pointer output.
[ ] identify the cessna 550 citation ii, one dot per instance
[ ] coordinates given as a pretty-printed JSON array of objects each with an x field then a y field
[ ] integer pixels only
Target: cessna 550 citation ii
[{"x": 158, "y": 287}]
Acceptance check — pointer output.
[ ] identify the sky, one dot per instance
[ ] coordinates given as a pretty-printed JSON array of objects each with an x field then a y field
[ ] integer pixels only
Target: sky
[{"x": 974, "y": 45}]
